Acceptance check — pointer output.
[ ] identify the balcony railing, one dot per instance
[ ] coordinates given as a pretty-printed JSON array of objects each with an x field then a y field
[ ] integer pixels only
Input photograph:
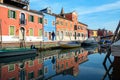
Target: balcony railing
[
  {"x": 21, "y": 1},
  {"x": 23, "y": 22}
]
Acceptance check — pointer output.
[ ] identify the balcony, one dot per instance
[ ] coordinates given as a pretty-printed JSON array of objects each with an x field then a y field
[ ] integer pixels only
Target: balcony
[{"x": 23, "y": 22}]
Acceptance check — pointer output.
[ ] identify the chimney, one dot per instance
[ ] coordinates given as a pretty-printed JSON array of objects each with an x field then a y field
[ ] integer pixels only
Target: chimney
[{"x": 28, "y": 7}]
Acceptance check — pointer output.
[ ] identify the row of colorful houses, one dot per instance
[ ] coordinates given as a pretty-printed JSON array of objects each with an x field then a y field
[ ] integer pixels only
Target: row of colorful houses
[{"x": 19, "y": 24}]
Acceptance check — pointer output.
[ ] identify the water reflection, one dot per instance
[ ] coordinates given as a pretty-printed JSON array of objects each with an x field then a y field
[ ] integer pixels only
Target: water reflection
[{"x": 45, "y": 65}]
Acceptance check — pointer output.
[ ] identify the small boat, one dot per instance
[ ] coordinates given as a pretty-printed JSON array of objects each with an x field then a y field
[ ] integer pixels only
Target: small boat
[
  {"x": 16, "y": 52},
  {"x": 71, "y": 44},
  {"x": 115, "y": 48},
  {"x": 19, "y": 58},
  {"x": 89, "y": 42},
  {"x": 105, "y": 43}
]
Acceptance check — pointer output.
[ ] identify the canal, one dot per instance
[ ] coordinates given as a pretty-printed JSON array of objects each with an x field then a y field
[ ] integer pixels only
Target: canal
[{"x": 62, "y": 64}]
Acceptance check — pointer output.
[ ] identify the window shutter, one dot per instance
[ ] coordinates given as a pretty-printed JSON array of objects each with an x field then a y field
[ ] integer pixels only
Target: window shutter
[
  {"x": 9, "y": 13},
  {"x": 41, "y": 20},
  {"x": 33, "y": 18},
  {"x": 15, "y": 14},
  {"x": 28, "y": 17}
]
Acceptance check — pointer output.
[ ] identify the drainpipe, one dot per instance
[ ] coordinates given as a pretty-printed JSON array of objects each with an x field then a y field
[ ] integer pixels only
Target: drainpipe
[{"x": 0, "y": 35}]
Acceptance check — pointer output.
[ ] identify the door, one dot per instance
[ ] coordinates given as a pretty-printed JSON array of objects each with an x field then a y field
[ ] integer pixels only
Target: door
[
  {"x": 50, "y": 35},
  {"x": 22, "y": 34},
  {"x": 75, "y": 35}
]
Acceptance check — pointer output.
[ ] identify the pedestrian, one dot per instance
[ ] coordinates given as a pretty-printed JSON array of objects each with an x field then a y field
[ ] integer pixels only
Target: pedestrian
[{"x": 53, "y": 35}]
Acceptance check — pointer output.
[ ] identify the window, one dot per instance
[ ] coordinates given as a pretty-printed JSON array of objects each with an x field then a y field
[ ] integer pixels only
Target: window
[
  {"x": 31, "y": 18},
  {"x": 30, "y": 63},
  {"x": 58, "y": 22},
  {"x": 54, "y": 66},
  {"x": 39, "y": 61},
  {"x": 71, "y": 25},
  {"x": 53, "y": 23},
  {"x": 11, "y": 14},
  {"x": 11, "y": 67},
  {"x": 40, "y": 20},
  {"x": 22, "y": 20},
  {"x": 31, "y": 75},
  {"x": 31, "y": 32},
  {"x": 12, "y": 30},
  {"x": 66, "y": 64},
  {"x": 40, "y": 72},
  {"x": 58, "y": 33},
  {"x": 45, "y": 34},
  {"x": 40, "y": 32},
  {"x": 46, "y": 70},
  {"x": 66, "y": 23},
  {"x": 61, "y": 22},
  {"x": 45, "y": 21}
]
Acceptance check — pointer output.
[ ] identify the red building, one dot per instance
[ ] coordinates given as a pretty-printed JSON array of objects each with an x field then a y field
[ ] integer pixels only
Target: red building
[
  {"x": 19, "y": 25},
  {"x": 30, "y": 69}
]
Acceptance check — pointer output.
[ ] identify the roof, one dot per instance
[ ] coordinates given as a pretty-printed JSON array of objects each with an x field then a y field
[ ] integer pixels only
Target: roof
[
  {"x": 32, "y": 11},
  {"x": 83, "y": 23}
]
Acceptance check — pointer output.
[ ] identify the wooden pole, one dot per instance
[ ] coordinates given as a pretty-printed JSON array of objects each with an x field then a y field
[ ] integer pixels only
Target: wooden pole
[{"x": 0, "y": 35}]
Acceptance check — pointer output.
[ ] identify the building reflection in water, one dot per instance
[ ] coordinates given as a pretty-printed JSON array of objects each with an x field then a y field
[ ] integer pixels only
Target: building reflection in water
[
  {"x": 116, "y": 69},
  {"x": 45, "y": 65}
]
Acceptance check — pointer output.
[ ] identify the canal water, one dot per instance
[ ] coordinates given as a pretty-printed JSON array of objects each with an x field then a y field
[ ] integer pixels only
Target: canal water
[{"x": 63, "y": 64}]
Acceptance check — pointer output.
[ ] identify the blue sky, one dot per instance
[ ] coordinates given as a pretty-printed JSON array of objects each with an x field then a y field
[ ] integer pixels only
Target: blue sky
[{"x": 95, "y": 13}]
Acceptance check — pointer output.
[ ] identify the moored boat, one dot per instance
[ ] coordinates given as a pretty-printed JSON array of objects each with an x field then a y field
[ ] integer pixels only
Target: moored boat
[
  {"x": 16, "y": 52},
  {"x": 115, "y": 48},
  {"x": 70, "y": 44},
  {"x": 89, "y": 42}
]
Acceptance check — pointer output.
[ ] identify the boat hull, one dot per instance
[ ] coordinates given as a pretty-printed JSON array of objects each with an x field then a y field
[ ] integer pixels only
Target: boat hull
[
  {"x": 8, "y": 53},
  {"x": 69, "y": 44}
]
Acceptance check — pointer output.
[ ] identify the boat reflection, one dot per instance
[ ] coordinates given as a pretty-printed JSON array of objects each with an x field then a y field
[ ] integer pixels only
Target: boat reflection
[{"x": 45, "y": 65}]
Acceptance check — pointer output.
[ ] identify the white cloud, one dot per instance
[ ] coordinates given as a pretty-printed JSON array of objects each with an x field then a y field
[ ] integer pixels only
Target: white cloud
[{"x": 106, "y": 7}]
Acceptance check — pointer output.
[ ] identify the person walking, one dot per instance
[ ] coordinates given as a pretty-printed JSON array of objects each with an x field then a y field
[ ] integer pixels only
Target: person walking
[{"x": 53, "y": 35}]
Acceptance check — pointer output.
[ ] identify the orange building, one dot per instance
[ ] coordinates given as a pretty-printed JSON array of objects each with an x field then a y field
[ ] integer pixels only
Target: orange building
[
  {"x": 80, "y": 29},
  {"x": 69, "y": 28},
  {"x": 70, "y": 60},
  {"x": 19, "y": 25},
  {"x": 64, "y": 29}
]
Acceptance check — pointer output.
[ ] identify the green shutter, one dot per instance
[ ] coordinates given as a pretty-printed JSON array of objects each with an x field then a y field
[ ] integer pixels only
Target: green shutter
[
  {"x": 28, "y": 17},
  {"x": 40, "y": 32},
  {"x": 32, "y": 18},
  {"x": 9, "y": 12},
  {"x": 38, "y": 20},
  {"x": 12, "y": 30},
  {"x": 15, "y": 15},
  {"x": 41, "y": 20}
]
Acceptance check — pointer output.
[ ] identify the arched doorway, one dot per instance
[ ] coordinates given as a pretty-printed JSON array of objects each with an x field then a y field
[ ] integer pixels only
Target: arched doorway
[
  {"x": 22, "y": 37},
  {"x": 22, "y": 33}
]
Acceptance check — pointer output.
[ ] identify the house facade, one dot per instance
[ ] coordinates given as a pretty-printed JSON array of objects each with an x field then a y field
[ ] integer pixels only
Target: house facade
[
  {"x": 20, "y": 25},
  {"x": 92, "y": 33},
  {"x": 69, "y": 28},
  {"x": 64, "y": 29},
  {"x": 49, "y": 24}
]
